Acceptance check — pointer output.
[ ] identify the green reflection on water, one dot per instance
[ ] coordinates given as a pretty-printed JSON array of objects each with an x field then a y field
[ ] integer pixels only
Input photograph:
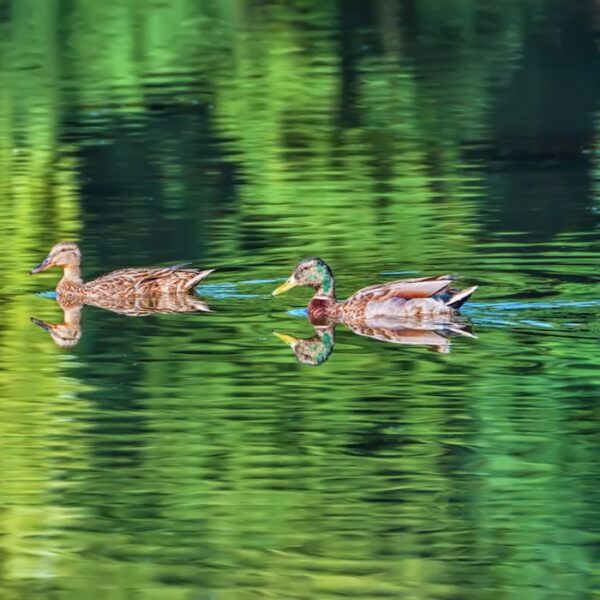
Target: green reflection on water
[{"x": 188, "y": 456}]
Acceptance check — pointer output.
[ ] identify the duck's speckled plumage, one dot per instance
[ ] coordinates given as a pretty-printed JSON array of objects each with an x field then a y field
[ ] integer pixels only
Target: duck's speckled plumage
[
  {"x": 67, "y": 333},
  {"x": 146, "y": 282},
  {"x": 426, "y": 298},
  {"x": 150, "y": 304},
  {"x": 119, "y": 288}
]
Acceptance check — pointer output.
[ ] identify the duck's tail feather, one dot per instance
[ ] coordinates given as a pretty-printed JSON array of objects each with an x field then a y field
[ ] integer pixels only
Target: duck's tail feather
[
  {"x": 458, "y": 299},
  {"x": 461, "y": 330},
  {"x": 190, "y": 284}
]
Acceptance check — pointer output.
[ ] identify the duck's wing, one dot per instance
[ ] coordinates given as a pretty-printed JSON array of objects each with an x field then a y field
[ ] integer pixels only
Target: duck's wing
[
  {"x": 424, "y": 287},
  {"x": 142, "y": 281},
  {"x": 171, "y": 279}
]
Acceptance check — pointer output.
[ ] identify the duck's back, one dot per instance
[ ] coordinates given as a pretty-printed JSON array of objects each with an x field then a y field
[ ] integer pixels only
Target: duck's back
[
  {"x": 402, "y": 298},
  {"x": 175, "y": 279}
]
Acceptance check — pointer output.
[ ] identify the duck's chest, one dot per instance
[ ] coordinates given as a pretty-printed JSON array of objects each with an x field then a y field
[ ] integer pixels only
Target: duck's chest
[
  {"x": 321, "y": 310},
  {"x": 69, "y": 292}
]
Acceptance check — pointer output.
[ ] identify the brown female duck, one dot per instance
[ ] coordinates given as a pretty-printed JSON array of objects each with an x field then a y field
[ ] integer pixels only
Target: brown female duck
[
  {"x": 427, "y": 298},
  {"x": 124, "y": 283}
]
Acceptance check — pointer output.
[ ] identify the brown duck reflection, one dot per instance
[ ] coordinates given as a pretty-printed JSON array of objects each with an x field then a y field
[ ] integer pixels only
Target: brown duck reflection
[
  {"x": 316, "y": 349},
  {"x": 67, "y": 333}
]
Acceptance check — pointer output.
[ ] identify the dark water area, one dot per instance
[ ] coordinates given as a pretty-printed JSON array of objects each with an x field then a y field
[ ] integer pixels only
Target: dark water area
[{"x": 191, "y": 456}]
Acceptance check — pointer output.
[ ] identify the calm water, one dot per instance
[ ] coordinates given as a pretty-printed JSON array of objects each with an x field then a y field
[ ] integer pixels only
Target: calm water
[{"x": 191, "y": 457}]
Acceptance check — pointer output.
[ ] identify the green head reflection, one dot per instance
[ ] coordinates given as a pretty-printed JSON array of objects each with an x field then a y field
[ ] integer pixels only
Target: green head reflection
[{"x": 313, "y": 351}]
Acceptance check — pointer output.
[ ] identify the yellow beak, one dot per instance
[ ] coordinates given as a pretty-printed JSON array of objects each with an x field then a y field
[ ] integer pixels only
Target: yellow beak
[
  {"x": 285, "y": 287},
  {"x": 290, "y": 340}
]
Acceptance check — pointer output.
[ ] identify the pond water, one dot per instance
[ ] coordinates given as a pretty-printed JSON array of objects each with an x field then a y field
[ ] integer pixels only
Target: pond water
[{"x": 191, "y": 456}]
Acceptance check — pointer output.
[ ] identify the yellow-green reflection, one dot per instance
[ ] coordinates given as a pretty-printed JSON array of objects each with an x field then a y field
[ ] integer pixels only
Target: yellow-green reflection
[{"x": 38, "y": 200}]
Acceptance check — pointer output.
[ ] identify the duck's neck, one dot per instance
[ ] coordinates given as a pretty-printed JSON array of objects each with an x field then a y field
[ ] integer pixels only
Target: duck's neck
[
  {"x": 322, "y": 304},
  {"x": 71, "y": 281},
  {"x": 326, "y": 290},
  {"x": 326, "y": 336},
  {"x": 72, "y": 273},
  {"x": 72, "y": 315},
  {"x": 320, "y": 346}
]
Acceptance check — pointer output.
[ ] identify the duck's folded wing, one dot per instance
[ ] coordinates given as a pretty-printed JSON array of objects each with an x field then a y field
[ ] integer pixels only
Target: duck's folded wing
[
  {"x": 174, "y": 278},
  {"x": 404, "y": 288}
]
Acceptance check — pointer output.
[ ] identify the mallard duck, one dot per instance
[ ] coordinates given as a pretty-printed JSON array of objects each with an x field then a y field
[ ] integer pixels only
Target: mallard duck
[
  {"x": 426, "y": 298},
  {"x": 316, "y": 349},
  {"x": 124, "y": 283}
]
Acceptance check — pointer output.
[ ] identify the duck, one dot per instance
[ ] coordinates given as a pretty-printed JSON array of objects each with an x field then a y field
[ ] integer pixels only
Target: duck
[
  {"x": 425, "y": 299},
  {"x": 120, "y": 287}
]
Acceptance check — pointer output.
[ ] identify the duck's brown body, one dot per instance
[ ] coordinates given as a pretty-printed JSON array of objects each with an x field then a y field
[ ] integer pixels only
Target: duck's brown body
[
  {"x": 129, "y": 283},
  {"x": 406, "y": 299},
  {"x": 120, "y": 287}
]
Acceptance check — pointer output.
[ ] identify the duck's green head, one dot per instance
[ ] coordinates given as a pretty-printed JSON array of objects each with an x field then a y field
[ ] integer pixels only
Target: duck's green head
[
  {"x": 312, "y": 272},
  {"x": 313, "y": 351}
]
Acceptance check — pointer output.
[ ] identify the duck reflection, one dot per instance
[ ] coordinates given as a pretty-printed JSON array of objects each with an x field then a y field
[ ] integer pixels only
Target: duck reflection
[
  {"x": 142, "y": 306},
  {"x": 68, "y": 333},
  {"x": 316, "y": 349}
]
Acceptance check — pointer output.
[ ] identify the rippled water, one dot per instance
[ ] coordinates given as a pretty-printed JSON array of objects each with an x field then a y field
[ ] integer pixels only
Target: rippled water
[{"x": 191, "y": 456}]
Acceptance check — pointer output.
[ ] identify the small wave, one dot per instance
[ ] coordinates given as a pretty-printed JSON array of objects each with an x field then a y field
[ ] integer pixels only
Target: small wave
[
  {"x": 399, "y": 273},
  {"x": 221, "y": 290},
  {"x": 262, "y": 281},
  {"x": 49, "y": 294},
  {"x": 524, "y": 305}
]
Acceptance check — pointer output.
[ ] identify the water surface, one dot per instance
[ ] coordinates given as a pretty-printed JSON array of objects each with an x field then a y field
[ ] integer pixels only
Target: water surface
[{"x": 190, "y": 456}]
